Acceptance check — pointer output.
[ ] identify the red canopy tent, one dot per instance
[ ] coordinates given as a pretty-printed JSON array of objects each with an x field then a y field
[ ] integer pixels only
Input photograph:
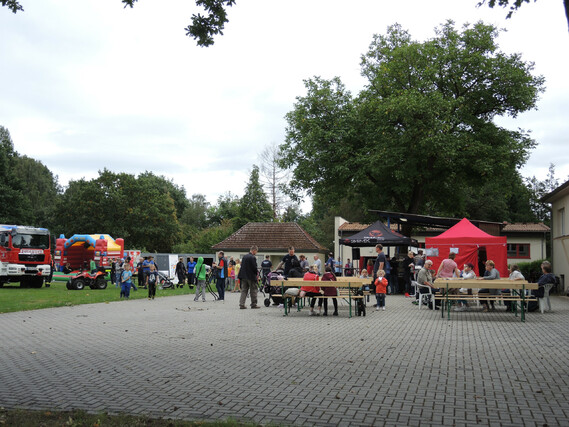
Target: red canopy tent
[{"x": 467, "y": 240}]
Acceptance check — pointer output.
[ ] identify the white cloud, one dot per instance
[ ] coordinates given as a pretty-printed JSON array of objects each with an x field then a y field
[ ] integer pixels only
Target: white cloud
[{"x": 87, "y": 85}]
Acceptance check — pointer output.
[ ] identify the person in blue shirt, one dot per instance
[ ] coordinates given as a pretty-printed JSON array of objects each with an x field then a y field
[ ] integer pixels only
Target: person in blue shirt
[
  {"x": 330, "y": 261},
  {"x": 145, "y": 269},
  {"x": 191, "y": 270},
  {"x": 338, "y": 267},
  {"x": 221, "y": 276},
  {"x": 126, "y": 281}
]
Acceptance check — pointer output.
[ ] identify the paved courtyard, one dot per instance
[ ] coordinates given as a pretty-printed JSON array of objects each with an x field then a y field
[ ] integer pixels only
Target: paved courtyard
[{"x": 173, "y": 358}]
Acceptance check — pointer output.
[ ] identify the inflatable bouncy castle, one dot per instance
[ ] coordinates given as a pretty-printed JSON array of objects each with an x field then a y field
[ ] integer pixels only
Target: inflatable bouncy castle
[{"x": 80, "y": 249}]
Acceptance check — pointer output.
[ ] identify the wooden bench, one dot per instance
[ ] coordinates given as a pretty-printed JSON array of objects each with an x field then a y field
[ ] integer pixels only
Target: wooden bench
[
  {"x": 346, "y": 287},
  {"x": 517, "y": 294}
]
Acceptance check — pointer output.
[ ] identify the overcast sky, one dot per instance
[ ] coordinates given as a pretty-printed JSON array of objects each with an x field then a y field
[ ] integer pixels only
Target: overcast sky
[{"x": 86, "y": 84}]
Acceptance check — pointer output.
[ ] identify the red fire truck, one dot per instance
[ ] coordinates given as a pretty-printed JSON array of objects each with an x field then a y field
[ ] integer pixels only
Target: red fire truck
[{"x": 24, "y": 255}]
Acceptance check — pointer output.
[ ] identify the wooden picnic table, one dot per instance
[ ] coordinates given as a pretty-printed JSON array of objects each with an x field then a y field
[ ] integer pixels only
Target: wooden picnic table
[
  {"x": 350, "y": 283},
  {"x": 517, "y": 287}
]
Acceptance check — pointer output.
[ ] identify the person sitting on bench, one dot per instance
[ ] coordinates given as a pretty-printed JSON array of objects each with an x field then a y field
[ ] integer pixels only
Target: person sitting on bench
[
  {"x": 311, "y": 291},
  {"x": 491, "y": 273},
  {"x": 328, "y": 291}
]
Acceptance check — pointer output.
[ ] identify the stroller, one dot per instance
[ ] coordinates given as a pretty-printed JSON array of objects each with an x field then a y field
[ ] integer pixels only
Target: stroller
[
  {"x": 272, "y": 290},
  {"x": 165, "y": 282}
]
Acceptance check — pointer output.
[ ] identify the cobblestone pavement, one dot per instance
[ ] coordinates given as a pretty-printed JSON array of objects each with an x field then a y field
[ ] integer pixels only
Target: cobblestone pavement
[{"x": 174, "y": 358}]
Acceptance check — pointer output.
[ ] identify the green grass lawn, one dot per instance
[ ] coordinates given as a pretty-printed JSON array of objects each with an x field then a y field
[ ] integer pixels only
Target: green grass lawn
[{"x": 14, "y": 298}]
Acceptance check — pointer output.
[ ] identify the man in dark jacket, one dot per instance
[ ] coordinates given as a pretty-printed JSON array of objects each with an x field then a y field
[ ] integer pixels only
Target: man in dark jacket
[
  {"x": 266, "y": 266},
  {"x": 181, "y": 273},
  {"x": 287, "y": 261},
  {"x": 248, "y": 277}
]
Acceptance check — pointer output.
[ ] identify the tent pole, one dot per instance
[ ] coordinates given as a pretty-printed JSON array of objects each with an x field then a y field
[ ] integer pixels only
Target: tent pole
[{"x": 389, "y": 226}]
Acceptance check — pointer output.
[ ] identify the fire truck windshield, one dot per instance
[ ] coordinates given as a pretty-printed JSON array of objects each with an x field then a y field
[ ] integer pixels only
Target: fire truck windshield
[{"x": 37, "y": 241}]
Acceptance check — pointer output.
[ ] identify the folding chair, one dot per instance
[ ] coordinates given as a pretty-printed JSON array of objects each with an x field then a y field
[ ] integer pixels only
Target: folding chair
[{"x": 427, "y": 296}]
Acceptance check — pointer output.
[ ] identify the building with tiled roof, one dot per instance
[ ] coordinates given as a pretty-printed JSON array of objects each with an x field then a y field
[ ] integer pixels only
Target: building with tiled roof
[
  {"x": 526, "y": 241},
  {"x": 525, "y": 227},
  {"x": 352, "y": 227},
  {"x": 273, "y": 239},
  {"x": 559, "y": 199}
]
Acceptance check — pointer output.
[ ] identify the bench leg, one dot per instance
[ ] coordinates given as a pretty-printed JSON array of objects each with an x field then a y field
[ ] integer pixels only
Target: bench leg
[{"x": 523, "y": 304}]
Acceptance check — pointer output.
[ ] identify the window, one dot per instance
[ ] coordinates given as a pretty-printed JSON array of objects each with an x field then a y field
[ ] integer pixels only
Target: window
[
  {"x": 561, "y": 219},
  {"x": 518, "y": 250},
  {"x": 39, "y": 241}
]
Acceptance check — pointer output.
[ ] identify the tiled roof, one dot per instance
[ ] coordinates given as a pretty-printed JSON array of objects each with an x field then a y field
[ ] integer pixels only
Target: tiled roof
[
  {"x": 357, "y": 226},
  {"x": 525, "y": 227},
  {"x": 353, "y": 226},
  {"x": 271, "y": 236},
  {"x": 518, "y": 227}
]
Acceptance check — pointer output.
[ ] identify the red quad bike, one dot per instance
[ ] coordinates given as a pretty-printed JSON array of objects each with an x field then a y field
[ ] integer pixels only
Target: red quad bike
[{"x": 84, "y": 278}]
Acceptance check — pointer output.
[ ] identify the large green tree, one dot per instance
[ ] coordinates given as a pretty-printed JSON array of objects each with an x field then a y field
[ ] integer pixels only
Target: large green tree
[
  {"x": 40, "y": 188},
  {"x": 422, "y": 132},
  {"x": 15, "y": 206},
  {"x": 539, "y": 189},
  {"x": 203, "y": 27},
  {"x": 136, "y": 209},
  {"x": 254, "y": 206},
  {"x": 226, "y": 209}
]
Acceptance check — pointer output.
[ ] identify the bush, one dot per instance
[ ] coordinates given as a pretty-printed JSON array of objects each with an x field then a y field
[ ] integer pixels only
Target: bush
[{"x": 531, "y": 270}]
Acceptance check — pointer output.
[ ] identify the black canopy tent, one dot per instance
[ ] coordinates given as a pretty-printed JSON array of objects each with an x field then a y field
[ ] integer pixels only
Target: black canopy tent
[{"x": 378, "y": 233}]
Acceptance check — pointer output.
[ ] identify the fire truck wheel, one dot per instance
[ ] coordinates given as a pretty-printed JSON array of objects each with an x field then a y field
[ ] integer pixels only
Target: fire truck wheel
[
  {"x": 36, "y": 282},
  {"x": 79, "y": 285}
]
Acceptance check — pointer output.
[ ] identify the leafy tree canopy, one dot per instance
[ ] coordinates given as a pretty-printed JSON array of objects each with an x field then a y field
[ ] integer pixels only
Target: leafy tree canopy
[
  {"x": 516, "y": 4},
  {"x": 421, "y": 133},
  {"x": 41, "y": 189},
  {"x": 121, "y": 205},
  {"x": 254, "y": 206},
  {"x": 203, "y": 27},
  {"x": 15, "y": 205},
  {"x": 539, "y": 189},
  {"x": 227, "y": 208}
]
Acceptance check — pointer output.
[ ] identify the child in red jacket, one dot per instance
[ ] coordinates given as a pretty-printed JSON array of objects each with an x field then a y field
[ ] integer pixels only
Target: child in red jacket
[
  {"x": 311, "y": 291},
  {"x": 380, "y": 290}
]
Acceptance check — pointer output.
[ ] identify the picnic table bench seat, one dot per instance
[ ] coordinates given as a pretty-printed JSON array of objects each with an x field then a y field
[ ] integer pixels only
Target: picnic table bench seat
[{"x": 345, "y": 285}]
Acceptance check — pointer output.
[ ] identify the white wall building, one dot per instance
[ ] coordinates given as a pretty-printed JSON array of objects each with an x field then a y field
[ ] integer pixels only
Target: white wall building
[{"x": 559, "y": 199}]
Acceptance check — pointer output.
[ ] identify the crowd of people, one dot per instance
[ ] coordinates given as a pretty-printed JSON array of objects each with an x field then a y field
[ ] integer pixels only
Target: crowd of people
[
  {"x": 243, "y": 275},
  {"x": 449, "y": 269}
]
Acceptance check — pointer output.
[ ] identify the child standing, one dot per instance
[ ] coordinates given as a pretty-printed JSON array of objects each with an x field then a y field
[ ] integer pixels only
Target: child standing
[
  {"x": 380, "y": 290},
  {"x": 126, "y": 281},
  {"x": 237, "y": 268},
  {"x": 151, "y": 280},
  {"x": 231, "y": 274}
]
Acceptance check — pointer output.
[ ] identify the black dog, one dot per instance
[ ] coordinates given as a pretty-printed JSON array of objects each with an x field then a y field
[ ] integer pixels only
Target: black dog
[{"x": 360, "y": 303}]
